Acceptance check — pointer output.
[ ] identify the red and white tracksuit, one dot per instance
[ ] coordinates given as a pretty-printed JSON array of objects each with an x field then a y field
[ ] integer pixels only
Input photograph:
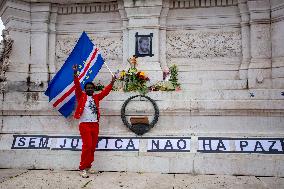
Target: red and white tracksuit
[{"x": 89, "y": 131}]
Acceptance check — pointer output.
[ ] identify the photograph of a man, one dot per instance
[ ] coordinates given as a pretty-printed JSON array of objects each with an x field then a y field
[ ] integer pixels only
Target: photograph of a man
[{"x": 144, "y": 45}]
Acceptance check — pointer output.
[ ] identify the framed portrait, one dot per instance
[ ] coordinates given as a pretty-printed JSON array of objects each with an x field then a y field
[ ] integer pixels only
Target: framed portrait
[{"x": 143, "y": 46}]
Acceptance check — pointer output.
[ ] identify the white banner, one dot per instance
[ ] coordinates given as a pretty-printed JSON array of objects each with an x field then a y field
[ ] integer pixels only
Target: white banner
[
  {"x": 168, "y": 144},
  {"x": 154, "y": 144},
  {"x": 73, "y": 143},
  {"x": 241, "y": 145}
]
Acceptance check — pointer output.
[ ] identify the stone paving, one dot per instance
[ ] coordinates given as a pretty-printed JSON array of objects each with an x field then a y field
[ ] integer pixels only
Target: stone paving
[{"x": 14, "y": 178}]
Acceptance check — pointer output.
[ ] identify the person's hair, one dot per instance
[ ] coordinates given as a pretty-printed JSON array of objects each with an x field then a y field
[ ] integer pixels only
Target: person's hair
[
  {"x": 89, "y": 83},
  {"x": 143, "y": 39}
]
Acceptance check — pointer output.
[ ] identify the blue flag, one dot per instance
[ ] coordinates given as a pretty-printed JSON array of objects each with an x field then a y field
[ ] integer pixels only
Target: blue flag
[{"x": 61, "y": 89}]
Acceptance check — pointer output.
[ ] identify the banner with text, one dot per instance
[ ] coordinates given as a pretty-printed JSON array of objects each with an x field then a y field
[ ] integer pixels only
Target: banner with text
[
  {"x": 240, "y": 145},
  {"x": 154, "y": 144}
]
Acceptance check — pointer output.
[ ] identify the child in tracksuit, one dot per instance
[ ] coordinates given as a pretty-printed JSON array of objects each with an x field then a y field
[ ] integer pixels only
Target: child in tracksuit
[{"x": 88, "y": 113}]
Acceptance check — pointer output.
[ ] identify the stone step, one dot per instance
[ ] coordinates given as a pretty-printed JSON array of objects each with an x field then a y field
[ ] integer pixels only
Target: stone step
[
  {"x": 167, "y": 125},
  {"x": 167, "y": 106},
  {"x": 207, "y": 75},
  {"x": 183, "y": 95},
  {"x": 163, "y": 162},
  {"x": 214, "y": 85}
]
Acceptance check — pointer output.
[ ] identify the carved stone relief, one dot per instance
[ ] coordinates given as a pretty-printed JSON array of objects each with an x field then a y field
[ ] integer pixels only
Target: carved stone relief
[
  {"x": 207, "y": 44},
  {"x": 5, "y": 51},
  {"x": 183, "y": 4},
  {"x": 88, "y": 8},
  {"x": 110, "y": 47}
]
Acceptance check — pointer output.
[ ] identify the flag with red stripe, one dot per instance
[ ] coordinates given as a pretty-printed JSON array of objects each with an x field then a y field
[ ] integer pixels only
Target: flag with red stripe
[{"x": 61, "y": 89}]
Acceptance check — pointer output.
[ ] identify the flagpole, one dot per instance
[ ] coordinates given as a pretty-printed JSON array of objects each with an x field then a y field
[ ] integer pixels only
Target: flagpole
[{"x": 109, "y": 69}]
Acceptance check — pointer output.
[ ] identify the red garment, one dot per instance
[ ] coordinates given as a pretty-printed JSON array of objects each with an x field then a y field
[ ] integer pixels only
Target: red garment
[
  {"x": 82, "y": 98},
  {"x": 89, "y": 132}
]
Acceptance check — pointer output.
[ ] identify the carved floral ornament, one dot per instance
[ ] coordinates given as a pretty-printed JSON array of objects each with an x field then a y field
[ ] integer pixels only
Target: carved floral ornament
[
  {"x": 110, "y": 47},
  {"x": 192, "y": 44}
]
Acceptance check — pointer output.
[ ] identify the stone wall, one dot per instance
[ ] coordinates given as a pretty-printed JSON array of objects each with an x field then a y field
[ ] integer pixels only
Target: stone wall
[
  {"x": 205, "y": 41},
  {"x": 102, "y": 22},
  {"x": 230, "y": 59}
]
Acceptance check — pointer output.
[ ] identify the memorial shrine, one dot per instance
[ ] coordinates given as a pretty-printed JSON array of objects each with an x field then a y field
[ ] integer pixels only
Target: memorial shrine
[{"x": 224, "y": 114}]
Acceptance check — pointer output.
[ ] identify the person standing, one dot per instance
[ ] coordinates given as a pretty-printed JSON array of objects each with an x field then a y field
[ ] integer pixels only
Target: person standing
[{"x": 88, "y": 113}]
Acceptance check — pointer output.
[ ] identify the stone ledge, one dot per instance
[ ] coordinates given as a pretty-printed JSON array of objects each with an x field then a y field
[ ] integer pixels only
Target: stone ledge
[
  {"x": 168, "y": 125},
  {"x": 208, "y": 107},
  {"x": 183, "y": 95},
  {"x": 232, "y": 164},
  {"x": 191, "y": 103}
]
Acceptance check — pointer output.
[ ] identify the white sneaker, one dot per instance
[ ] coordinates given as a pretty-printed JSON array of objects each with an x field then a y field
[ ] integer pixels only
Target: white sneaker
[
  {"x": 83, "y": 173},
  {"x": 91, "y": 171}
]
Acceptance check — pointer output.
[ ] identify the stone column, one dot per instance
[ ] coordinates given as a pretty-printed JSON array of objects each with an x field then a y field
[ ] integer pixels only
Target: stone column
[
  {"x": 259, "y": 73},
  {"x": 124, "y": 30},
  {"x": 163, "y": 35},
  {"x": 245, "y": 31},
  {"x": 40, "y": 13},
  {"x": 277, "y": 37},
  {"x": 52, "y": 42},
  {"x": 16, "y": 18},
  {"x": 144, "y": 18}
]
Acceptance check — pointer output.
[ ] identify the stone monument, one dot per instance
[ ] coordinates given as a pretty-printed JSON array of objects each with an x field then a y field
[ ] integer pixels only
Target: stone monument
[{"x": 227, "y": 119}]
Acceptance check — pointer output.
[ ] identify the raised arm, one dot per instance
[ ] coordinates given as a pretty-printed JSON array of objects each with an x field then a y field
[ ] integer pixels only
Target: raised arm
[
  {"x": 107, "y": 89},
  {"x": 78, "y": 89}
]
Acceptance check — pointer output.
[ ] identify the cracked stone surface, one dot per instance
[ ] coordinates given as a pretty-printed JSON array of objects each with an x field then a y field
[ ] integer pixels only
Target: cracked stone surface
[
  {"x": 13, "y": 178},
  {"x": 6, "y": 174}
]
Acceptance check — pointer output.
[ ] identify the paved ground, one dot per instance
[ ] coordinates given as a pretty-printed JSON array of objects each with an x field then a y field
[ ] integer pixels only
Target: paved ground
[{"x": 13, "y": 178}]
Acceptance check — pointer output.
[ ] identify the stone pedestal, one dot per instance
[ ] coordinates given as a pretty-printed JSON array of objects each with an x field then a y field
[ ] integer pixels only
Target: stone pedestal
[
  {"x": 277, "y": 38},
  {"x": 227, "y": 119},
  {"x": 38, "y": 68},
  {"x": 259, "y": 74},
  {"x": 143, "y": 18},
  {"x": 17, "y": 20},
  {"x": 245, "y": 31}
]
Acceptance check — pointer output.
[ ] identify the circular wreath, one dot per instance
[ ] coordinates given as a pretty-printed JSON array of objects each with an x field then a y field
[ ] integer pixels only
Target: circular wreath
[{"x": 140, "y": 128}]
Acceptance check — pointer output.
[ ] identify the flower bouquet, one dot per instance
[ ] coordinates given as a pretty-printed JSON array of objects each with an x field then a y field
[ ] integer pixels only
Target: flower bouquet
[
  {"x": 170, "y": 81},
  {"x": 133, "y": 79}
]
